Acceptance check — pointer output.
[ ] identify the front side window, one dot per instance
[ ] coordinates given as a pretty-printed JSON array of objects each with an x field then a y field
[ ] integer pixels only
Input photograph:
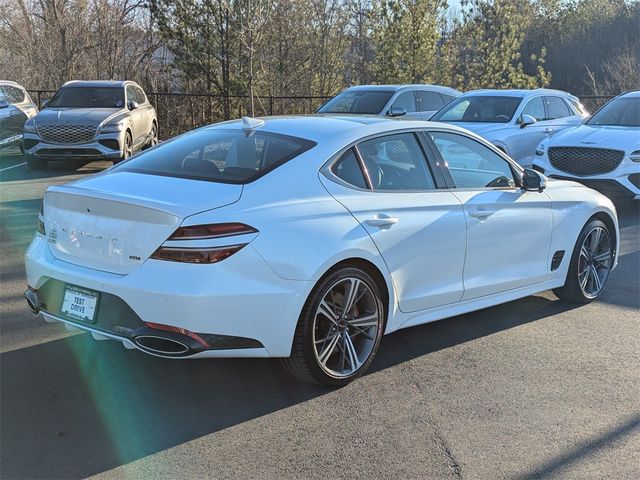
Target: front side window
[
  {"x": 88, "y": 97},
  {"x": 428, "y": 101},
  {"x": 396, "y": 162},
  {"x": 473, "y": 165},
  {"x": 357, "y": 101},
  {"x": 535, "y": 108},
  {"x": 479, "y": 108},
  {"x": 140, "y": 96},
  {"x": 227, "y": 156},
  {"x": 348, "y": 170},
  {"x": 556, "y": 108},
  {"x": 407, "y": 101},
  {"x": 622, "y": 112}
]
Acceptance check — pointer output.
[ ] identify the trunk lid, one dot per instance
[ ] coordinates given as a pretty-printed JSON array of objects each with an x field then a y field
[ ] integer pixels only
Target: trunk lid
[{"x": 114, "y": 222}]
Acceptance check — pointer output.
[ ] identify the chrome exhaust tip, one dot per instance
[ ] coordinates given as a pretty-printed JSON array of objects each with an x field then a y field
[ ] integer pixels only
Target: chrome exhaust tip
[
  {"x": 32, "y": 301},
  {"x": 161, "y": 345}
]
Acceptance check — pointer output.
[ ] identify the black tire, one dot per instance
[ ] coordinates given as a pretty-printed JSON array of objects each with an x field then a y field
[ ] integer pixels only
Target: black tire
[
  {"x": 36, "y": 163},
  {"x": 127, "y": 149},
  {"x": 303, "y": 362},
  {"x": 572, "y": 290}
]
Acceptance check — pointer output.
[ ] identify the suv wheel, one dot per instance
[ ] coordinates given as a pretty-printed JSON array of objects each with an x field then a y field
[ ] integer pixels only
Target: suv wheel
[{"x": 127, "y": 149}]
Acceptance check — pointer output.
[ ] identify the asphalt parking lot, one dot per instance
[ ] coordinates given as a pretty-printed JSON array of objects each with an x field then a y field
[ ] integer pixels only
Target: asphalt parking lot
[{"x": 531, "y": 389}]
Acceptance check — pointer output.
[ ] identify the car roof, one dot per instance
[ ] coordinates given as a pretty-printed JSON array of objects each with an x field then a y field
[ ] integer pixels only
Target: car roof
[
  {"x": 515, "y": 92},
  {"x": 326, "y": 127},
  {"x": 631, "y": 94},
  {"x": 97, "y": 83},
  {"x": 414, "y": 86},
  {"x": 13, "y": 84}
]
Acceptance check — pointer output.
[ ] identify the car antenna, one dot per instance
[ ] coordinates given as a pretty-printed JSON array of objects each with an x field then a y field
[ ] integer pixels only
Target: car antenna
[{"x": 249, "y": 123}]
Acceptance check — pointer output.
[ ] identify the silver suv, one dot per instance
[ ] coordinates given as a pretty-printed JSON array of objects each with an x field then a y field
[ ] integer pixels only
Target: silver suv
[
  {"x": 91, "y": 121},
  {"x": 16, "y": 107}
]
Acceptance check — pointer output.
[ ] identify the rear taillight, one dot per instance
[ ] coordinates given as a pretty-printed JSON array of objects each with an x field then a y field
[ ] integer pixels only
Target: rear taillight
[
  {"x": 41, "y": 229},
  {"x": 217, "y": 230},
  {"x": 201, "y": 254}
]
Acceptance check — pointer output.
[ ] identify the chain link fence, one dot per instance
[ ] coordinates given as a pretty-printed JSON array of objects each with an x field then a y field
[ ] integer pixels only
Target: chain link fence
[{"x": 181, "y": 112}]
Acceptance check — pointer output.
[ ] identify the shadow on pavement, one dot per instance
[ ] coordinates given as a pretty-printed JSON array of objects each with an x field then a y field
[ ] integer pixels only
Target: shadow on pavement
[
  {"x": 80, "y": 407},
  {"x": 605, "y": 440}
]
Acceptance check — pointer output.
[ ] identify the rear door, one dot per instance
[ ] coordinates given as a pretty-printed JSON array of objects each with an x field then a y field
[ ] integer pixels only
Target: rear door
[
  {"x": 559, "y": 114},
  {"x": 508, "y": 228},
  {"x": 419, "y": 228}
]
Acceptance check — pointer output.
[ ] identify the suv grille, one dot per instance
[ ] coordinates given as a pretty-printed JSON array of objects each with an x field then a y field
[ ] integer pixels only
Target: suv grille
[
  {"x": 584, "y": 160},
  {"x": 66, "y": 133}
]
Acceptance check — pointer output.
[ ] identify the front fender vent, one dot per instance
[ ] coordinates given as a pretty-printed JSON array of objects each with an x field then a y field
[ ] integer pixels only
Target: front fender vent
[{"x": 557, "y": 260}]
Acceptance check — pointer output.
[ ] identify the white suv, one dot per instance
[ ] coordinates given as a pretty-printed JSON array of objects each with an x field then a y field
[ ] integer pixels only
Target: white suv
[
  {"x": 603, "y": 154},
  {"x": 515, "y": 121}
]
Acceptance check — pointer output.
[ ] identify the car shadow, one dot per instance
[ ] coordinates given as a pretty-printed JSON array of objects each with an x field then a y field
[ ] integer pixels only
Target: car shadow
[{"x": 81, "y": 407}]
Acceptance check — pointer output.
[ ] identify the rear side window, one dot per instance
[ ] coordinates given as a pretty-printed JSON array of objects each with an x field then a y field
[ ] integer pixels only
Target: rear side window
[
  {"x": 227, "y": 156},
  {"x": 396, "y": 162},
  {"x": 556, "y": 108},
  {"x": 348, "y": 169},
  {"x": 428, "y": 101}
]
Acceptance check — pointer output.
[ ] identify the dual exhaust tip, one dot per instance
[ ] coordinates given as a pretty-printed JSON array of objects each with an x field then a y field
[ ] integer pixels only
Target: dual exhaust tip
[{"x": 148, "y": 342}]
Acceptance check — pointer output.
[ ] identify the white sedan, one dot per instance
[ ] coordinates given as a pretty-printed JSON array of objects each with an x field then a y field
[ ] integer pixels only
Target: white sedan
[
  {"x": 604, "y": 153},
  {"x": 308, "y": 238}
]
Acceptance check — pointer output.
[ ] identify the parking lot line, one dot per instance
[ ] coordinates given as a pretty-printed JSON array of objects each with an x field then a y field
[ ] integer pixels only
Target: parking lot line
[{"x": 13, "y": 166}]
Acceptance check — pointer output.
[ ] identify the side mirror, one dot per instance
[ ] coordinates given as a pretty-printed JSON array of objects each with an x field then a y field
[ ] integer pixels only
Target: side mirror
[
  {"x": 45, "y": 103},
  {"x": 4, "y": 104},
  {"x": 396, "y": 112},
  {"x": 533, "y": 181},
  {"x": 526, "y": 120},
  {"x": 133, "y": 105}
]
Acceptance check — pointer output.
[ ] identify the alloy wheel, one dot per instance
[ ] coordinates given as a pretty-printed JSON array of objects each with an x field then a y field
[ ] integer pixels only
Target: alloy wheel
[
  {"x": 594, "y": 262},
  {"x": 346, "y": 325}
]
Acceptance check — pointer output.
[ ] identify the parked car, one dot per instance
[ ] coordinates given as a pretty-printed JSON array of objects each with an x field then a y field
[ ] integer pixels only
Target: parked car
[
  {"x": 91, "y": 120},
  {"x": 308, "y": 238},
  {"x": 515, "y": 121},
  {"x": 417, "y": 102},
  {"x": 16, "y": 107},
  {"x": 603, "y": 154}
]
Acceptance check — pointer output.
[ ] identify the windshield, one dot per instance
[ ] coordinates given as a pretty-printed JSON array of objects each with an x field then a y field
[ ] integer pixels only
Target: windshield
[
  {"x": 622, "y": 112},
  {"x": 88, "y": 97},
  {"x": 357, "y": 101},
  {"x": 477, "y": 108},
  {"x": 227, "y": 156}
]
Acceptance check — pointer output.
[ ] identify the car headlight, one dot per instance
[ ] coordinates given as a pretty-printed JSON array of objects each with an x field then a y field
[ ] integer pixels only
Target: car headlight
[
  {"x": 540, "y": 149},
  {"x": 29, "y": 127},
  {"x": 115, "y": 127},
  {"x": 635, "y": 156}
]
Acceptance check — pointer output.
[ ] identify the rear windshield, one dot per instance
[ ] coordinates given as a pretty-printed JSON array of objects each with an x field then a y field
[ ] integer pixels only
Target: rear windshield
[
  {"x": 227, "y": 156},
  {"x": 477, "y": 108},
  {"x": 357, "y": 101},
  {"x": 88, "y": 97}
]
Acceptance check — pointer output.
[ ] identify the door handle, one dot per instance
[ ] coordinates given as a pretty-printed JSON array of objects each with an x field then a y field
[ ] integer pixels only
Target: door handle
[
  {"x": 381, "y": 221},
  {"x": 481, "y": 213},
  {"x": 548, "y": 130}
]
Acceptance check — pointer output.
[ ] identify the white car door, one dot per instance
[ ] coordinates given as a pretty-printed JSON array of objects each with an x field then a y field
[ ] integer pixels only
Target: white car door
[
  {"x": 559, "y": 115},
  {"x": 419, "y": 229},
  {"x": 508, "y": 228}
]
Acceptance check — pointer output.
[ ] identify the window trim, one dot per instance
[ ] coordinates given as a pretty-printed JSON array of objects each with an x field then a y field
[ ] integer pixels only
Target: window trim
[
  {"x": 516, "y": 169},
  {"x": 434, "y": 166}
]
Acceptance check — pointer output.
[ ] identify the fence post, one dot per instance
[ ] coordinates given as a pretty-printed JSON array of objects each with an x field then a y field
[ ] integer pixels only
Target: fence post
[{"x": 270, "y": 104}]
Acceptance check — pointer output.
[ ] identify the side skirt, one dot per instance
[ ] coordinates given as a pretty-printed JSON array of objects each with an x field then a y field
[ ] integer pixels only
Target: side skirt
[{"x": 451, "y": 310}]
